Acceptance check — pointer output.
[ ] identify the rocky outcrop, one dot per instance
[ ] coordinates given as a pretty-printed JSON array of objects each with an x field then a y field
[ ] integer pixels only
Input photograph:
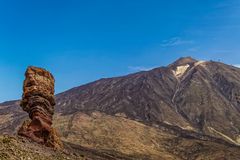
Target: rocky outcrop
[{"x": 38, "y": 101}]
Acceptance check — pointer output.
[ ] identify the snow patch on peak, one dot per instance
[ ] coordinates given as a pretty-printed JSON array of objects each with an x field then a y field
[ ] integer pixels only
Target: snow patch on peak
[
  {"x": 180, "y": 70},
  {"x": 199, "y": 63}
]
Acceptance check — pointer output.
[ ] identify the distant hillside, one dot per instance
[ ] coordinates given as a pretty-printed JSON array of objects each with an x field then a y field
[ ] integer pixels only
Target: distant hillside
[
  {"x": 187, "y": 110},
  {"x": 194, "y": 95}
]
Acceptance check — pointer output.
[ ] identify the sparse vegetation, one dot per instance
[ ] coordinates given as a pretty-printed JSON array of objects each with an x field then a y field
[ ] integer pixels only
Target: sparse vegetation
[
  {"x": 152, "y": 115},
  {"x": 17, "y": 148}
]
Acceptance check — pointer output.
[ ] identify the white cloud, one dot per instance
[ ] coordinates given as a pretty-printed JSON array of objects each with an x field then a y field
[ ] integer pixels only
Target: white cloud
[
  {"x": 175, "y": 41},
  {"x": 139, "y": 68},
  {"x": 193, "y": 49},
  {"x": 237, "y": 65},
  {"x": 227, "y": 4}
]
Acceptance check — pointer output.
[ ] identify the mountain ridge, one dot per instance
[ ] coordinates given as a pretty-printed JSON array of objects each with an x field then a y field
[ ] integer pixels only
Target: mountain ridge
[
  {"x": 195, "y": 102},
  {"x": 168, "y": 87}
]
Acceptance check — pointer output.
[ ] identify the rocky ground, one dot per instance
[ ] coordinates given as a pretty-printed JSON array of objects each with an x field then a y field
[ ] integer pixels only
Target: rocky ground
[
  {"x": 188, "y": 110},
  {"x": 17, "y": 148}
]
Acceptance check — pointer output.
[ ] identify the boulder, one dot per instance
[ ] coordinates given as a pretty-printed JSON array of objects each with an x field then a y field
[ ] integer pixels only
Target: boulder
[{"x": 38, "y": 101}]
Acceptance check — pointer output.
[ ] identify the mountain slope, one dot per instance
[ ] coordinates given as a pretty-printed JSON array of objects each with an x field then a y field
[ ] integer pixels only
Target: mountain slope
[
  {"x": 138, "y": 141},
  {"x": 187, "y": 110},
  {"x": 194, "y": 95}
]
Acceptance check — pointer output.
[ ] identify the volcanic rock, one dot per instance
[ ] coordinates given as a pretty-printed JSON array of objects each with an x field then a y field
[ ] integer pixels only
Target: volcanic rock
[
  {"x": 187, "y": 110},
  {"x": 38, "y": 101}
]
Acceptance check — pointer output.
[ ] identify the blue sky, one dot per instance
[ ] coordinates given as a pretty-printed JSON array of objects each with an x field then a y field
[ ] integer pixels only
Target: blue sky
[{"x": 81, "y": 41}]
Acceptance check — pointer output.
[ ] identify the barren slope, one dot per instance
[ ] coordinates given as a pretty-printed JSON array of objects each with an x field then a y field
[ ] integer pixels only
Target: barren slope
[{"x": 187, "y": 110}]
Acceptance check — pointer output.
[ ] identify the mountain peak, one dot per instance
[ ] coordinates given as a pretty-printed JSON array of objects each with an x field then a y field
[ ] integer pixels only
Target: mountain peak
[{"x": 183, "y": 61}]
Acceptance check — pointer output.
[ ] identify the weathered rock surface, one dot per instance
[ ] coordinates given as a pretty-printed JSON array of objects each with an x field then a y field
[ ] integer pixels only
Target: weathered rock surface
[
  {"x": 188, "y": 110},
  {"x": 21, "y": 148},
  {"x": 38, "y": 101}
]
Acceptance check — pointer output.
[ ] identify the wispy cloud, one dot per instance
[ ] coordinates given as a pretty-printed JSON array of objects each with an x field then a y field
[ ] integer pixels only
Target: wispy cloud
[
  {"x": 175, "y": 41},
  {"x": 237, "y": 65},
  {"x": 139, "y": 68},
  {"x": 193, "y": 49},
  {"x": 227, "y": 4}
]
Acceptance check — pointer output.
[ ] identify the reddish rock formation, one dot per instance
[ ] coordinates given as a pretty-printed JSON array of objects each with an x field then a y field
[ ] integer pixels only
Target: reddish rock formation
[{"x": 38, "y": 101}]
